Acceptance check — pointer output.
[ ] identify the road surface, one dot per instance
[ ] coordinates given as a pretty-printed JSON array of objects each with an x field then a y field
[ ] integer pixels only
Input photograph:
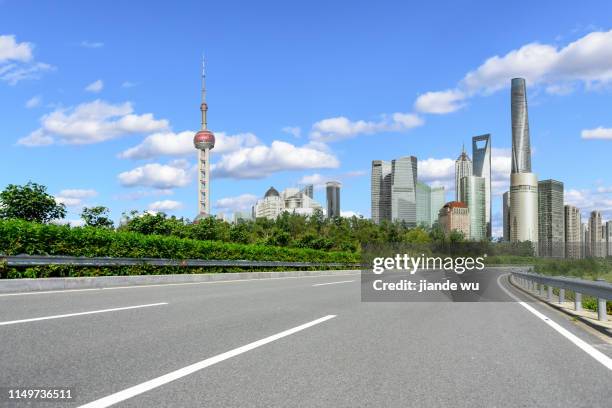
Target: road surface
[{"x": 307, "y": 342}]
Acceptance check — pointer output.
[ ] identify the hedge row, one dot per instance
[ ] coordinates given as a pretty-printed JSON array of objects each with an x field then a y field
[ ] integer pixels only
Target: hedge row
[{"x": 22, "y": 237}]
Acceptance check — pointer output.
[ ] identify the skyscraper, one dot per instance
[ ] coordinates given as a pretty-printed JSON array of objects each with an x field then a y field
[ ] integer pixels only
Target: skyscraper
[
  {"x": 551, "y": 218},
  {"x": 523, "y": 183},
  {"x": 333, "y": 199},
  {"x": 585, "y": 237},
  {"x": 381, "y": 191},
  {"x": 506, "y": 215},
  {"x": 463, "y": 168},
  {"x": 572, "y": 232},
  {"x": 308, "y": 190},
  {"x": 595, "y": 235},
  {"x": 609, "y": 238},
  {"x": 438, "y": 199},
  {"x": 204, "y": 141},
  {"x": 474, "y": 196},
  {"x": 423, "y": 205},
  {"x": 481, "y": 167},
  {"x": 403, "y": 190}
]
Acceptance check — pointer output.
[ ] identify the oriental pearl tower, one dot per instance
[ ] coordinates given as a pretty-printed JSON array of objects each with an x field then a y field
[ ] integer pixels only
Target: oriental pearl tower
[{"x": 204, "y": 141}]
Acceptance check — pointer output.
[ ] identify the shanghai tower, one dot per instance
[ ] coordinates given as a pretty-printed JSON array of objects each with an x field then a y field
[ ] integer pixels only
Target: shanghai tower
[
  {"x": 523, "y": 183},
  {"x": 521, "y": 149}
]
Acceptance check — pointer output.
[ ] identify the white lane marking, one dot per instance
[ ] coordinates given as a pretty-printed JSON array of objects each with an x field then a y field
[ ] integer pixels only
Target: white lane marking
[
  {"x": 185, "y": 371},
  {"x": 583, "y": 345},
  {"x": 332, "y": 283},
  {"x": 47, "y": 292},
  {"x": 36, "y": 319}
]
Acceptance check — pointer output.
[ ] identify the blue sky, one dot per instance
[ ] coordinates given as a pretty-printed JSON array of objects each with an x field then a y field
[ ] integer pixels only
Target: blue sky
[{"x": 99, "y": 99}]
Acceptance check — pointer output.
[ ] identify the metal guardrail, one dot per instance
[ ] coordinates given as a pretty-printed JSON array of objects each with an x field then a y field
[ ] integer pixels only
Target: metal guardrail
[
  {"x": 43, "y": 260},
  {"x": 543, "y": 284}
]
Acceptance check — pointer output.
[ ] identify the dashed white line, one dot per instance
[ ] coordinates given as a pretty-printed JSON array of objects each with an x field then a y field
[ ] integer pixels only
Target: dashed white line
[
  {"x": 583, "y": 345},
  {"x": 333, "y": 283},
  {"x": 116, "y": 309},
  {"x": 185, "y": 371}
]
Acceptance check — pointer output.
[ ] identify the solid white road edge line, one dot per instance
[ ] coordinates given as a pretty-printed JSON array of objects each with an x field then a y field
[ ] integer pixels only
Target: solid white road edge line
[
  {"x": 332, "y": 283},
  {"x": 185, "y": 371},
  {"x": 36, "y": 319},
  {"x": 50, "y": 292},
  {"x": 583, "y": 345}
]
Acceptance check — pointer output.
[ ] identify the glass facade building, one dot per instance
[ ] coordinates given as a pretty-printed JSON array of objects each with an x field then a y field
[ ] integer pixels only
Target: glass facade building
[{"x": 473, "y": 195}]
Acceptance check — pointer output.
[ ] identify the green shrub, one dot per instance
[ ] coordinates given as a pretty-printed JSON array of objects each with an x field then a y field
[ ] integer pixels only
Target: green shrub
[{"x": 22, "y": 237}]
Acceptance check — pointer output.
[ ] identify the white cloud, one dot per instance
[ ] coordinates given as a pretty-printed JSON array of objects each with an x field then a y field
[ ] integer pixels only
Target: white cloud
[
  {"x": 587, "y": 60},
  {"x": 92, "y": 44},
  {"x": 588, "y": 200},
  {"x": 74, "y": 197},
  {"x": 239, "y": 203},
  {"x": 319, "y": 180},
  {"x": 95, "y": 86},
  {"x": 165, "y": 205},
  {"x": 315, "y": 179},
  {"x": 261, "y": 161},
  {"x": 17, "y": 61},
  {"x": 338, "y": 128},
  {"x": 33, "y": 102},
  {"x": 91, "y": 122},
  {"x": 156, "y": 175},
  {"x": 293, "y": 131},
  {"x": 349, "y": 214},
  {"x": 439, "y": 102},
  {"x": 11, "y": 50},
  {"x": 128, "y": 84},
  {"x": 181, "y": 144},
  {"x": 597, "y": 133}
]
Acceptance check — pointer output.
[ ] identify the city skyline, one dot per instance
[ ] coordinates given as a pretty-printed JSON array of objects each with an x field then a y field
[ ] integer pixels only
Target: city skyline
[{"x": 149, "y": 165}]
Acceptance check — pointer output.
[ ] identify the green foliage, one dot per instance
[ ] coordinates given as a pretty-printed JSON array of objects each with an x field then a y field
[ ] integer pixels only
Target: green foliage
[
  {"x": 96, "y": 217},
  {"x": 22, "y": 237},
  {"x": 30, "y": 202}
]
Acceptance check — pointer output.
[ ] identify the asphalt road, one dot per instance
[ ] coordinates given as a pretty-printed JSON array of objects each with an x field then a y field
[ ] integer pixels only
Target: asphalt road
[{"x": 295, "y": 342}]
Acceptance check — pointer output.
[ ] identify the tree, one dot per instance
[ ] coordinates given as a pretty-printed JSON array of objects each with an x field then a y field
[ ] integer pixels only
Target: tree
[
  {"x": 97, "y": 217},
  {"x": 30, "y": 202}
]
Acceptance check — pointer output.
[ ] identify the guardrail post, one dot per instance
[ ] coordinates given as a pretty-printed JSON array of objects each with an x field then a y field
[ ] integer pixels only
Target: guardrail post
[
  {"x": 549, "y": 295},
  {"x": 541, "y": 289},
  {"x": 561, "y": 296},
  {"x": 578, "y": 301},
  {"x": 602, "y": 312}
]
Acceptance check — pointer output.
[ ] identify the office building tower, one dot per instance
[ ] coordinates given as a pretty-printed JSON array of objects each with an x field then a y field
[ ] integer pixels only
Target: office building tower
[
  {"x": 481, "y": 167},
  {"x": 595, "y": 235},
  {"x": 423, "y": 205},
  {"x": 463, "y": 168},
  {"x": 437, "y": 201},
  {"x": 551, "y": 219},
  {"x": 380, "y": 191},
  {"x": 333, "y": 199},
  {"x": 523, "y": 183},
  {"x": 506, "y": 216},
  {"x": 609, "y": 238},
  {"x": 585, "y": 237},
  {"x": 455, "y": 216},
  {"x": 403, "y": 190},
  {"x": 308, "y": 190},
  {"x": 270, "y": 206},
  {"x": 474, "y": 196},
  {"x": 572, "y": 232},
  {"x": 204, "y": 141}
]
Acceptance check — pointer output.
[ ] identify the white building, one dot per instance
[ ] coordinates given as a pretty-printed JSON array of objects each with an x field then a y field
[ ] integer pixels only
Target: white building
[{"x": 291, "y": 200}]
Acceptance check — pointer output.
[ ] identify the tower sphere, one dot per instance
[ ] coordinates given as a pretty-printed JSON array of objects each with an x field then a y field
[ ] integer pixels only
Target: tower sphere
[{"x": 204, "y": 139}]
